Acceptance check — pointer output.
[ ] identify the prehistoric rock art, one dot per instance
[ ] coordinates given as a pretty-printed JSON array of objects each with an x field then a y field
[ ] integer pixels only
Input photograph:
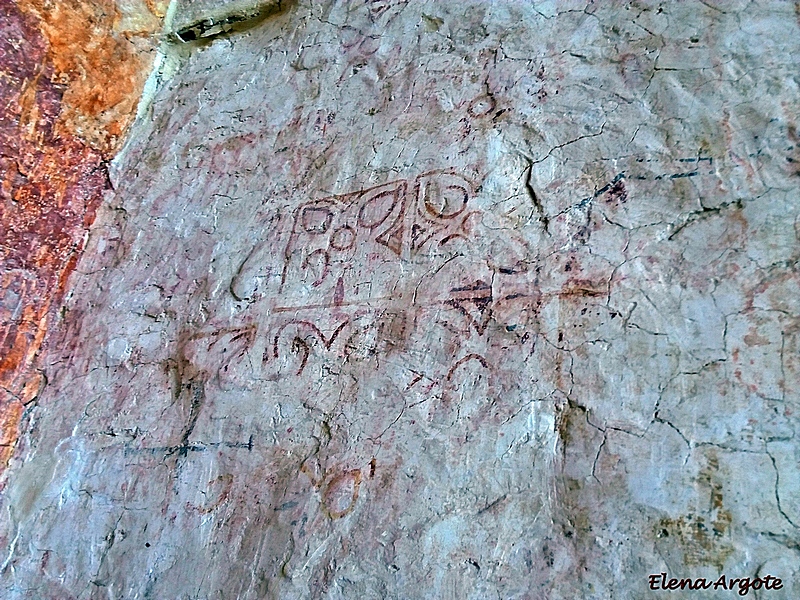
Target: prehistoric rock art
[
  {"x": 72, "y": 74},
  {"x": 396, "y": 299}
]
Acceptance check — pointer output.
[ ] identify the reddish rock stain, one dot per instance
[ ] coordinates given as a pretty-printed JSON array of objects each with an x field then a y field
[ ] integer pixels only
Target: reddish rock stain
[{"x": 70, "y": 79}]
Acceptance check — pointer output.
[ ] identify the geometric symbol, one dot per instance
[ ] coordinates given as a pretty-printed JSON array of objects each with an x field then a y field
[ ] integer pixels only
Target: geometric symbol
[
  {"x": 343, "y": 238},
  {"x": 392, "y": 238},
  {"x": 378, "y": 208},
  {"x": 443, "y": 195},
  {"x": 341, "y": 494},
  {"x": 474, "y": 302},
  {"x": 420, "y": 235},
  {"x": 316, "y": 219},
  {"x": 481, "y": 106}
]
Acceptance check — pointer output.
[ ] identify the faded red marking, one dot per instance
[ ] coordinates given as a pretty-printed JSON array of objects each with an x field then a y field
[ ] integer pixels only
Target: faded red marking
[
  {"x": 467, "y": 358},
  {"x": 414, "y": 382},
  {"x": 300, "y": 345},
  {"x": 225, "y": 483},
  {"x": 337, "y": 490},
  {"x": 338, "y": 294},
  {"x": 477, "y": 295}
]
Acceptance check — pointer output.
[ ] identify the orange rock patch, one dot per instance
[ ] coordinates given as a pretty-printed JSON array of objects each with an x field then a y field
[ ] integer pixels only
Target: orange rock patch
[{"x": 71, "y": 73}]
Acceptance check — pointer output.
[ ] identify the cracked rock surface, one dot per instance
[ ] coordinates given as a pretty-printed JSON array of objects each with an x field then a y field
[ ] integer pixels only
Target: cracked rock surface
[{"x": 425, "y": 299}]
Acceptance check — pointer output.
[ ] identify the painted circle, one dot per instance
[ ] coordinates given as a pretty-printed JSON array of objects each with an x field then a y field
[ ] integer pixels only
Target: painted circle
[
  {"x": 481, "y": 106},
  {"x": 450, "y": 202},
  {"x": 341, "y": 493},
  {"x": 343, "y": 238}
]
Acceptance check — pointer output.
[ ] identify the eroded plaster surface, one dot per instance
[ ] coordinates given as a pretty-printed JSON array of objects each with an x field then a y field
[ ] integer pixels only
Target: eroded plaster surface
[{"x": 434, "y": 300}]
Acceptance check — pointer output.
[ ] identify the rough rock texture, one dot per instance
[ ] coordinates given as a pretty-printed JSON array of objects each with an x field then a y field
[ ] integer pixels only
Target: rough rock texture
[
  {"x": 435, "y": 300},
  {"x": 71, "y": 74}
]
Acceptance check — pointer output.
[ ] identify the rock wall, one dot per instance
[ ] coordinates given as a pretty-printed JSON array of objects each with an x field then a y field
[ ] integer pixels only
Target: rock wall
[
  {"x": 402, "y": 299},
  {"x": 71, "y": 74}
]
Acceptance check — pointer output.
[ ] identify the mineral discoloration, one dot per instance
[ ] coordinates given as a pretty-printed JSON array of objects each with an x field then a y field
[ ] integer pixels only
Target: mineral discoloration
[
  {"x": 100, "y": 54},
  {"x": 72, "y": 73}
]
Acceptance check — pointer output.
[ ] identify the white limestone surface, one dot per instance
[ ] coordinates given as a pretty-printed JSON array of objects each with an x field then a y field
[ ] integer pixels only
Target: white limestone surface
[{"x": 416, "y": 299}]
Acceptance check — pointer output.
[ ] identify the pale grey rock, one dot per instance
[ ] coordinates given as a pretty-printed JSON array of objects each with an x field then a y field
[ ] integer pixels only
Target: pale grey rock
[
  {"x": 203, "y": 20},
  {"x": 435, "y": 300}
]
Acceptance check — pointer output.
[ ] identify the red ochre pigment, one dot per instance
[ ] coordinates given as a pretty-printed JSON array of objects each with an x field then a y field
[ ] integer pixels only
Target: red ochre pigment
[{"x": 70, "y": 80}]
